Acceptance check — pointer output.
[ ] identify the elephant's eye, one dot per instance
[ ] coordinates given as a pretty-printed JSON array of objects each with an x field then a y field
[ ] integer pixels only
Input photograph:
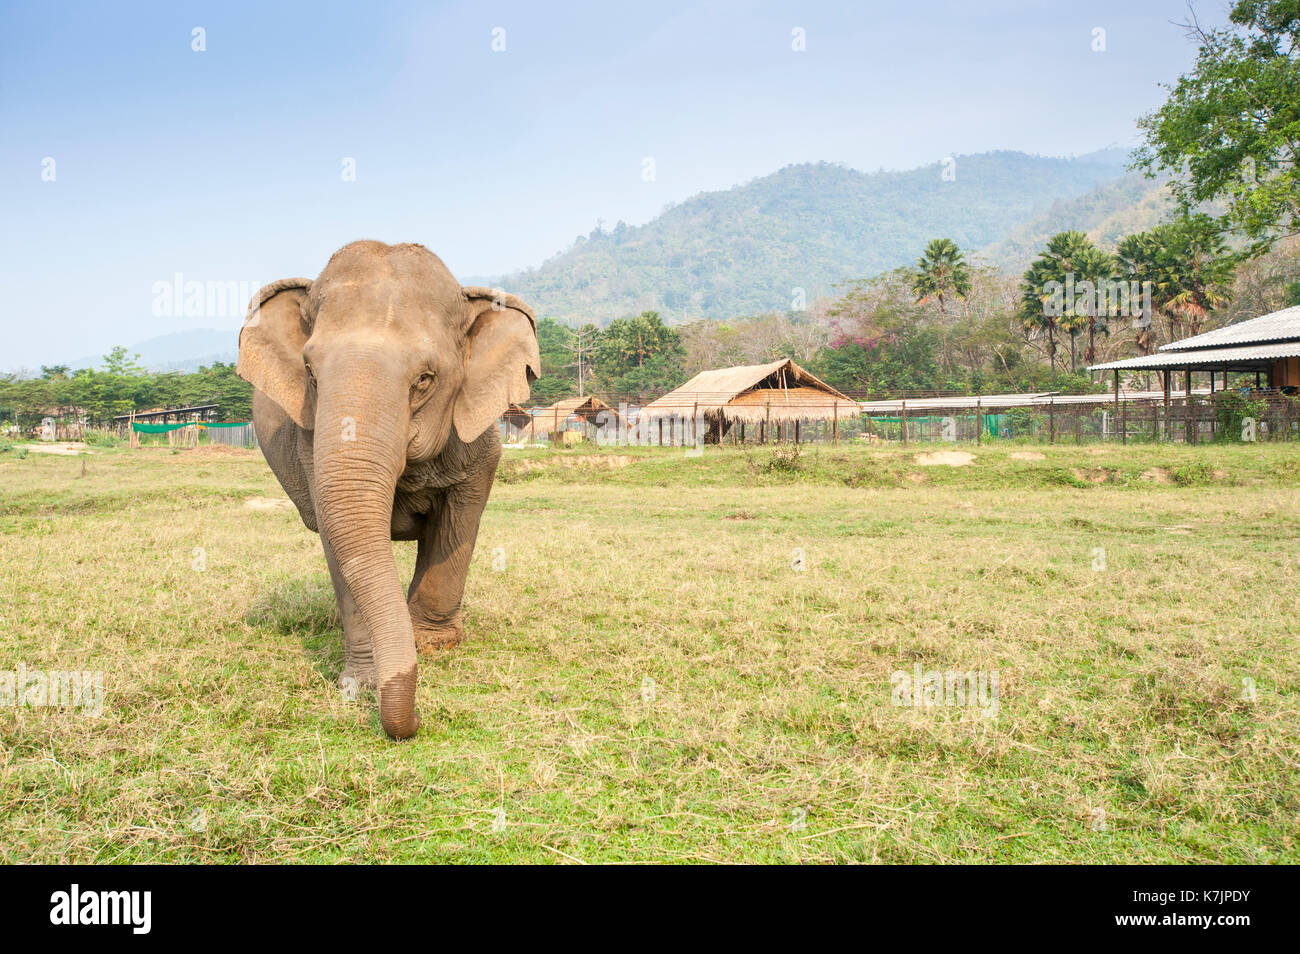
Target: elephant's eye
[
  {"x": 311, "y": 375},
  {"x": 423, "y": 382}
]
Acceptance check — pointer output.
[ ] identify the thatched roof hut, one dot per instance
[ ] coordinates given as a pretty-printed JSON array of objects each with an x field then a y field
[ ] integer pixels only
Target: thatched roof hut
[
  {"x": 588, "y": 409},
  {"x": 776, "y": 393},
  {"x": 517, "y": 417}
]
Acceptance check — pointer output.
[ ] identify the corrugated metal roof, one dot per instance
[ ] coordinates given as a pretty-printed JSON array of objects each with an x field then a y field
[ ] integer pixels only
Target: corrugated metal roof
[
  {"x": 956, "y": 401},
  {"x": 1281, "y": 325},
  {"x": 1230, "y": 357},
  {"x": 994, "y": 402},
  {"x": 1123, "y": 396}
]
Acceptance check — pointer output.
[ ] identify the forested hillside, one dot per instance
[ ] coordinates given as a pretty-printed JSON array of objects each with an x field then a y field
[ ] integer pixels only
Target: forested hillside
[
  {"x": 1105, "y": 214},
  {"x": 749, "y": 249}
]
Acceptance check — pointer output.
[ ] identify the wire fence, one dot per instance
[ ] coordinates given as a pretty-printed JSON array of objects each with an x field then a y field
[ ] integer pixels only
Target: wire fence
[
  {"x": 1245, "y": 415},
  {"x": 242, "y": 436}
]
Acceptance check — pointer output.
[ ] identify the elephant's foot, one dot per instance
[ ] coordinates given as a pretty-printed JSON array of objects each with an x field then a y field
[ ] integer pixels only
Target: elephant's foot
[
  {"x": 354, "y": 678},
  {"x": 433, "y": 635}
]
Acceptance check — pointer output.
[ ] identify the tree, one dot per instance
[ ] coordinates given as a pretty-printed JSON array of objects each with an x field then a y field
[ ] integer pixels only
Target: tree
[
  {"x": 1058, "y": 292},
  {"x": 882, "y": 343},
  {"x": 556, "y": 381},
  {"x": 1137, "y": 260},
  {"x": 1195, "y": 269},
  {"x": 1266, "y": 283},
  {"x": 581, "y": 344},
  {"x": 941, "y": 272},
  {"x": 1190, "y": 272},
  {"x": 118, "y": 361},
  {"x": 624, "y": 352},
  {"x": 1230, "y": 129}
]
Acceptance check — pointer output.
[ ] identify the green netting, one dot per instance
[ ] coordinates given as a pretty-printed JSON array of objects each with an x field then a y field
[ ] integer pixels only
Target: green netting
[{"x": 993, "y": 423}]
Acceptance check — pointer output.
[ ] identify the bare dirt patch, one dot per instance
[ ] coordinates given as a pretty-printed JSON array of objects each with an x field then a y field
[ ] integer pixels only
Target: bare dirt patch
[
  {"x": 1028, "y": 455},
  {"x": 1157, "y": 475},
  {"x": 589, "y": 462},
  {"x": 945, "y": 459},
  {"x": 268, "y": 503},
  {"x": 1098, "y": 475},
  {"x": 221, "y": 451},
  {"x": 65, "y": 447}
]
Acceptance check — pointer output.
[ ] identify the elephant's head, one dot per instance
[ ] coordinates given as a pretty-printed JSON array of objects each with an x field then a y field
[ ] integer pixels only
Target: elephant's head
[{"x": 386, "y": 359}]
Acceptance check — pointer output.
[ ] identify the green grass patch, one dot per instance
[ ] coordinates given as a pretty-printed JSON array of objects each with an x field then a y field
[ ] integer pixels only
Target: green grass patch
[{"x": 675, "y": 659}]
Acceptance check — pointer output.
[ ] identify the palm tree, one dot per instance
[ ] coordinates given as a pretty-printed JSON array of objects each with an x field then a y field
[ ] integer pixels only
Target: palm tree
[
  {"x": 1198, "y": 268},
  {"x": 941, "y": 272},
  {"x": 1137, "y": 258},
  {"x": 1051, "y": 297},
  {"x": 1189, "y": 268},
  {"x": 1036, "y": 305},
  {"x": 1093, "y": 265}
]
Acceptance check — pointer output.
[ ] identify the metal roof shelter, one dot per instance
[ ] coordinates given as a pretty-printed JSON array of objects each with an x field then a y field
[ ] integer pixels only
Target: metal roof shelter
[
  {"x": 1242, "y": 357},
  {"x": 1267, "y": 344},
  {"x": 1281, "y": 325},
  {"x": 201, "y": 412},
  {"x": 992, "y": 401}
]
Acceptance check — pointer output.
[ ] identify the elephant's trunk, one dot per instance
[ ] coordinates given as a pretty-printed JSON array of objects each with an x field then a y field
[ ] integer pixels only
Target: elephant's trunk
[{"x": 359, "y": 446}]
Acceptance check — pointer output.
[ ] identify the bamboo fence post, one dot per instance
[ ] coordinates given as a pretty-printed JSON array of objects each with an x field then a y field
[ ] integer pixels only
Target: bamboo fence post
[{"x": 1168, "y": 388}]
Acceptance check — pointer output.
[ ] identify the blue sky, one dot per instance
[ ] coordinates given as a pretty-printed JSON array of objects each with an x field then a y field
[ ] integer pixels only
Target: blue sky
[{"x": 226, "y": 165}]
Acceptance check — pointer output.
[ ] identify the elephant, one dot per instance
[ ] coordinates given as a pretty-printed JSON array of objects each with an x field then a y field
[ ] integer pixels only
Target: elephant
[{"x": 376, "y": 389}]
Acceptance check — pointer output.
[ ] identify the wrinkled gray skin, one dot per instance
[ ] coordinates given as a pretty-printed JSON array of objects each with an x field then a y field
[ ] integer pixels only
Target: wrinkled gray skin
[{"x": 376, "y": 392}]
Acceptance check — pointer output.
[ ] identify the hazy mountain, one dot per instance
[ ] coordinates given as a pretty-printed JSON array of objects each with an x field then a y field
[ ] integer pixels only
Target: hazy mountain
[
  {"x": 748, "y": 249},
  {"x": 178, "y": 351}
]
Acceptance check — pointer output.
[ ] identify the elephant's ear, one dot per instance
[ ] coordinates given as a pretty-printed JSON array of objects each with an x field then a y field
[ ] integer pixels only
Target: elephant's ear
[
  {"x": 501, "y": 359},
  {"x": 270, "y": 348}
]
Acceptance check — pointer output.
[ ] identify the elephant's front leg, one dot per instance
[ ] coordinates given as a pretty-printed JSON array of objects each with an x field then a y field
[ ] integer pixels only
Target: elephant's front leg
[
  {"x": 358, "y": 658},
  {"x": 442, "y": 564}
]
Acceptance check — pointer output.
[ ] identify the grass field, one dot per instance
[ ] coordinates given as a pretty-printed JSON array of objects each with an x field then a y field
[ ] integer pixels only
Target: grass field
[{"x": 675, "y": 659}]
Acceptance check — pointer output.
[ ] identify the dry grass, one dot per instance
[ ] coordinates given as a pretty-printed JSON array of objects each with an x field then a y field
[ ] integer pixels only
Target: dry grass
[{"x": 651, "y": 678}]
